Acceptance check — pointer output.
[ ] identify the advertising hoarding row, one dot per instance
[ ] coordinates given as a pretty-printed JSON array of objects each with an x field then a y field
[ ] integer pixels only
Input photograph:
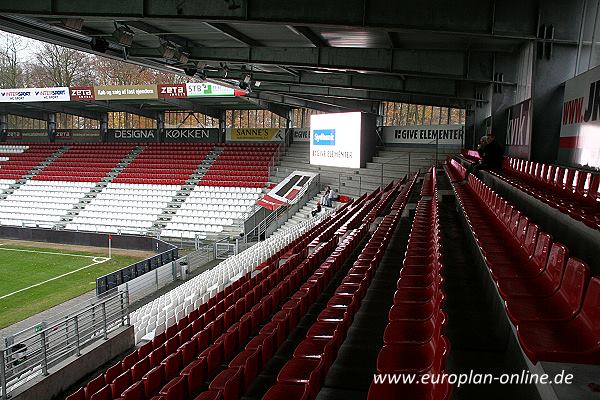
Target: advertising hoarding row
[
  {"x": 118, "y": 92},
  {"x": 178, "y": 135},
  {"x": 444, "y": 135}
]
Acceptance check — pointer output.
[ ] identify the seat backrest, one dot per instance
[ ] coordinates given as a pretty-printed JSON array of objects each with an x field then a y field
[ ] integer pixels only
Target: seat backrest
[
  {"x": 522, "y": 229},
  {"x": 542, "y": 247},
  {"x": 556, "y": 264},
  {"x": 530, "y": 239},
  {"x": 590, "y": 311},
  {"x": 507, "y": 217},
  {"x": 593, "y": 192},
  {"x": 514, "y": 223},
  {"x": 575, "y": 280}
]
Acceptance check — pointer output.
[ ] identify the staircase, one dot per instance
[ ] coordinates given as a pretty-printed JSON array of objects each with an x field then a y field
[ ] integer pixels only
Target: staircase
[
  {"x": 389, "y": 163},
  {"x": 305, "y": 212},
  {"x": 93, "y": 192},
  {"x": 33, "y": 172},
  {"x": 183, "y": 193}
]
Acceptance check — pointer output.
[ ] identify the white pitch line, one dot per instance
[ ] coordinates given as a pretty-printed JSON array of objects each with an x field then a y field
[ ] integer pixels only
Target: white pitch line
[
  {"x": 49, "y": 252},
  {"x": 53, "y": 279}
]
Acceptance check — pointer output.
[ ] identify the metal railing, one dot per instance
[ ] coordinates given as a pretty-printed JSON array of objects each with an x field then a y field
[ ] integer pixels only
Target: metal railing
[
  {"x": 178, "y": 269},
  {"x": 225, "y": 249},
  {"x": 114, "y": 279},
  {"x": 35, "y": 351}
]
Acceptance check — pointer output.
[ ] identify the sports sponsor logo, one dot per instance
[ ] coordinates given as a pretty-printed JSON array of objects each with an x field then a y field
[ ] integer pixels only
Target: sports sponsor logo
[
  {"x": 135, "y": 133},
  {"x": 172, "y": 91},
  {"x": 14, "y": 135},
  {"x": 255, "y": 134},
  {"x": 82, "y": 93},
  {"x": 324, "y": 137},
  {"x": 125, "y": 92},
  {"x": 198, "y": 135},
  {"x": 35, "y": 94},
  {"x": 301, "y": 135},
  {"x": 206, "y": 89},
  {"x": 187, "y": 133}
]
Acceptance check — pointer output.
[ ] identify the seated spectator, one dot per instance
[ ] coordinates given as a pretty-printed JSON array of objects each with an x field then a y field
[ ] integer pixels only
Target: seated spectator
[
  {"x": 325, "y": 201},
  {"x": 316, "y": 210},
  {"x": 333, "y": 196}
]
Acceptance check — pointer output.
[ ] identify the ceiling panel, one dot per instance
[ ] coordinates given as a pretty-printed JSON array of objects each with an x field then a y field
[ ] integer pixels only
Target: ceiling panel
[{"x": 337, "y": 37}]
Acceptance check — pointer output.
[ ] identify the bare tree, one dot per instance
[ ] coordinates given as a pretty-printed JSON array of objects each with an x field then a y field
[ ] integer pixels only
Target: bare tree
[
  {"x": 60, "y": 66},
  {"x": 11, "y": 70},
  {"x": 115, "y": 72}
]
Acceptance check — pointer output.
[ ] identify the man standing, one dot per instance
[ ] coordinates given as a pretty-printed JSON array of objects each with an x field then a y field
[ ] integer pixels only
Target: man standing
[{"x": 491, "y": 156}]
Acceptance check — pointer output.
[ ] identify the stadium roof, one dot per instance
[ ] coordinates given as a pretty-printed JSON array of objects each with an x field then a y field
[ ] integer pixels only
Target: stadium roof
[
  {"x": 334, "y": 54},
  {"x": 211, "y": 106}
]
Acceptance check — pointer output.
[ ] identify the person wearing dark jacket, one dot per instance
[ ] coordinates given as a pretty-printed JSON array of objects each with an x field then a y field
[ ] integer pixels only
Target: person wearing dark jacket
[{"x": 491, "y": 153}]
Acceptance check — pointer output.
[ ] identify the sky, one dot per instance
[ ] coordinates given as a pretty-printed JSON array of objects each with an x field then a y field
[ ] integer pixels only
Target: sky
[{"x": 28, "y": 46}]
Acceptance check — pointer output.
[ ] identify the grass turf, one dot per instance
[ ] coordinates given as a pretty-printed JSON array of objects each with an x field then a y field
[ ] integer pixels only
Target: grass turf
[{"x": 21, "y": 269}]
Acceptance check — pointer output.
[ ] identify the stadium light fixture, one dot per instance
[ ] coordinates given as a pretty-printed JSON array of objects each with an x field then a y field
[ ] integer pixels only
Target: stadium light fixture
[
  {"x": 99, "y": 44},
  {"x": 190, "y": 70},
  {"x": 124, "y": 35},
  {"x": 182, "y": 56},
  {"x": 74, "y": 24},
  {"x": 167, "y": 50}
]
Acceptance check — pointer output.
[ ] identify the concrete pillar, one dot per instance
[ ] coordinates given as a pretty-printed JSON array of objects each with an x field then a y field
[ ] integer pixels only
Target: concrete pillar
[
  {"x": 222, "y": 126},
  {"x": 554, "y": 63},
  {"x": 51, "y": 127},
  {"x": 477, "y": 119},
  {"x": 160, "y": 125},
  {"x": 289, "y": 122},
  {"x": 503, "y": 96},
  {"x": 103, "y": 126},
  {"x": 3, "y": 127}
]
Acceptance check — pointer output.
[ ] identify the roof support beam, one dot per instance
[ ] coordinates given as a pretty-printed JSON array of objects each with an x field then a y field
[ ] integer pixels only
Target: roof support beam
[
  {"x": 151, "y": 29},
  {"x": 369, "y": 97},
  {"x": 275, "y": 108},
  {"x": 24, "y": 112},
  {"x": 485, "y": 19},
  {"x": 312, "y": 37},
  {"x": 114, "y": 106},
  {"x": 46, "y": 107},
  {"x": 443, "y": 63},
  {"x": 234, "y": 34},
  {"x": 297, "y": 102},
  {"x": 192, "y": 106}
]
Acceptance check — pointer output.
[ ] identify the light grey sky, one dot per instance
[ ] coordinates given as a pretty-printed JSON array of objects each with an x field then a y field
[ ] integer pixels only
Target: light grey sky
[{"x": 28, "y": 47}]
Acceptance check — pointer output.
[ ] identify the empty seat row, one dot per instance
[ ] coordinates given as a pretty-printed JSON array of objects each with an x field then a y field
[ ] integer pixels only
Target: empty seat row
[
  {"x": 413, "y": 340},
  {"x": 572, "y": 191},
  {"x": 244, "y": 367},
  {"x": 18, "y": 160},
  {"x": 548, "y": 296},
  {"x": 303, "y": 375}
]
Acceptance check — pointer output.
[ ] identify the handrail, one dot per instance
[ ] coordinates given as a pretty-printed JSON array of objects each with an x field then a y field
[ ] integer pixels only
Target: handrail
[{"x": 45, "y": 347}]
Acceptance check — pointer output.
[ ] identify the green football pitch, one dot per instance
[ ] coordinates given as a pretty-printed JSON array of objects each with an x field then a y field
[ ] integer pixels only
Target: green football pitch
[{"x": 35, "y": 279}]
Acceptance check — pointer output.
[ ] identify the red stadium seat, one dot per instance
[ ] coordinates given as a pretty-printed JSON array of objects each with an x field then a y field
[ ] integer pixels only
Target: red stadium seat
[
  {"x": 229, "y": 382},
  {"x": 562, "y": 305},
  {"x": 574, "y": 341},
  {"x": 134, "y": 392}
]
